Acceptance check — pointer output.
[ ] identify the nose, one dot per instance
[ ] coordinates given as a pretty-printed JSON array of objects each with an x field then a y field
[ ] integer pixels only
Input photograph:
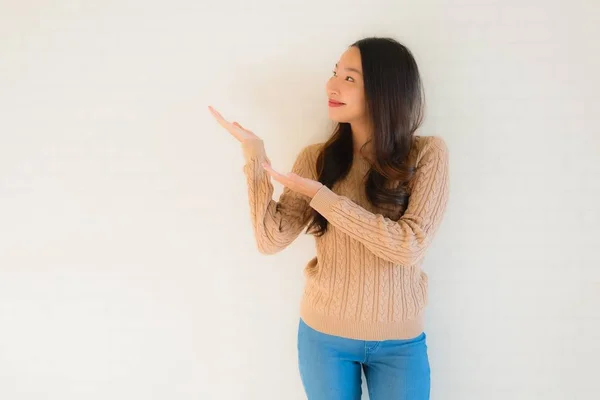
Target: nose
[{"x": 331, "y": 87}]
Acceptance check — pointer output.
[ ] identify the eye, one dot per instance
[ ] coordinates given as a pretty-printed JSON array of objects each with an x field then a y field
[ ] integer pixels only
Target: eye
[{"x": 352, "y": 79}]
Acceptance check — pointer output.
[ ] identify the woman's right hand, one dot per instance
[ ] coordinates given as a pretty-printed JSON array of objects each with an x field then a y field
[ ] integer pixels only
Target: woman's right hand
[{"x": 236, "y": 130}]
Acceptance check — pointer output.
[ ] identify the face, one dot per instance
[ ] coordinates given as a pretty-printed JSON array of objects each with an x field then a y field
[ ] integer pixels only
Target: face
[{"x": 346, "y": 86}]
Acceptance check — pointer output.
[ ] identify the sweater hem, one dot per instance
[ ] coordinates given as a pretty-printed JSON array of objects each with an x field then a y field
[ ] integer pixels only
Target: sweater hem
[{"x": 362, "y": 330}]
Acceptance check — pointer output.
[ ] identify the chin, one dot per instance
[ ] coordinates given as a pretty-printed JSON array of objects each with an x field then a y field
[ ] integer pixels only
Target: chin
[{"x": 337, "y": 118}]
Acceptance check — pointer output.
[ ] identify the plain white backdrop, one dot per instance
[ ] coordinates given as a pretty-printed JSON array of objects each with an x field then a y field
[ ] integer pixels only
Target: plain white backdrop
[{"x": 128, "y": 269}]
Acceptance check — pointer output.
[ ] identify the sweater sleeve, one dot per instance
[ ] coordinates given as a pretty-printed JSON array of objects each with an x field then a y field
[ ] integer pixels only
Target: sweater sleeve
[
  {"x": 276, "y": 223},
  {"x": 404, "y": 241}
]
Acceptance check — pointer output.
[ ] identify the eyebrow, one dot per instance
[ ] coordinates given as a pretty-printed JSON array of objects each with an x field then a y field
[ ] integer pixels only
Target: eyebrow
[{"x": 351, "y": 69}]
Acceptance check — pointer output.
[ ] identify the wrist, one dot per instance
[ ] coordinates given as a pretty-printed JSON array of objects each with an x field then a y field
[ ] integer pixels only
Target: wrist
[{"x": 254, "y": 148}]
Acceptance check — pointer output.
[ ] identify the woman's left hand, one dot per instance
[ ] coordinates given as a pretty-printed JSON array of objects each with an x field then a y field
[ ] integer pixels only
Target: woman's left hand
[{"x": 295, "y": 182}]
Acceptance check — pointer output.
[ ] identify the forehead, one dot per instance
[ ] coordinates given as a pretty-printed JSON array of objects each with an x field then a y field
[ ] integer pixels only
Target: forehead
[{"x": 350, "y": 58}]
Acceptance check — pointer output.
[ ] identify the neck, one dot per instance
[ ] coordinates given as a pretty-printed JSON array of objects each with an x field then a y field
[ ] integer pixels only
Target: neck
[{"x": 360, "y": 135}]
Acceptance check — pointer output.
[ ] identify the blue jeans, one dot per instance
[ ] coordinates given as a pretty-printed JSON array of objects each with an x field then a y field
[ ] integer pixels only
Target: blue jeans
[{"x": 330, "y": 367}]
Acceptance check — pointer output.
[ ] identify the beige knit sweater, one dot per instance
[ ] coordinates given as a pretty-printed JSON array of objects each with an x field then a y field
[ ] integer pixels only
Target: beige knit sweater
[{"x": 365, "y": 281}]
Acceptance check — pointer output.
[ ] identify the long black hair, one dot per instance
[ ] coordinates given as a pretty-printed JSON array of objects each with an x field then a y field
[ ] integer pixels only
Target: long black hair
[{"x": 395, "y": 105}]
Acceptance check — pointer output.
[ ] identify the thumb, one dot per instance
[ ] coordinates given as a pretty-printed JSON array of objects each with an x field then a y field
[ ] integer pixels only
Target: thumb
[{"x": 240, "y": 126}]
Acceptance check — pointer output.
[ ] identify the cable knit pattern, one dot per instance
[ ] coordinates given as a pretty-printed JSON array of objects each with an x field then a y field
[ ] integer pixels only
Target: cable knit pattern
[{"x": 366, "y": 281}]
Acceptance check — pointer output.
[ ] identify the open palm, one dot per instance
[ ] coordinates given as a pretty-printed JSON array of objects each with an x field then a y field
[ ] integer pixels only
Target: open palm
[
  {"x": 293, "y": 181},
  {"x": 236, "y": 130}
]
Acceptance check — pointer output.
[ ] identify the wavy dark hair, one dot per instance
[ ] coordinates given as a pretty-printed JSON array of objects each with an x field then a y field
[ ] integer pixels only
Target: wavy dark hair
[{"x": 394, "y": 99}]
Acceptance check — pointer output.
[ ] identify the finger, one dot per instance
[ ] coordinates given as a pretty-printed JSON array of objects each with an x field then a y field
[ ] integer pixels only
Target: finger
[
  {"x": 294, "y": 181},
  {"x": 231, "y": 128},
  {"x": 224, "y": 123},
  {"x": 216, "y": 114},
  {"x": 276, "y": 175},
  {"x": 241, "y": 127},
  {"x": 271, "y": 171}
]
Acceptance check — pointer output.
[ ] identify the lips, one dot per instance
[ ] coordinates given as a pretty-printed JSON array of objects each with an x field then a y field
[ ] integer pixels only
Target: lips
[{"x": 334, "y": 103}]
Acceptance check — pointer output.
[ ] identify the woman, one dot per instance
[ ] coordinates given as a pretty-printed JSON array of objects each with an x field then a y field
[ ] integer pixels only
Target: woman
[{"x": 373, "y": 196}]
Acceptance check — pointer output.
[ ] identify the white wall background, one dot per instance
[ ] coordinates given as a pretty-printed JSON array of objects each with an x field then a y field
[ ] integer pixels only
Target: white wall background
[{"x": 127, "y": 263}]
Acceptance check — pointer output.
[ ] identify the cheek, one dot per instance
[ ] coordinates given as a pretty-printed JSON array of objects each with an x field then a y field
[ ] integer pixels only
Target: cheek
[{"x": 358, "y": 103}]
